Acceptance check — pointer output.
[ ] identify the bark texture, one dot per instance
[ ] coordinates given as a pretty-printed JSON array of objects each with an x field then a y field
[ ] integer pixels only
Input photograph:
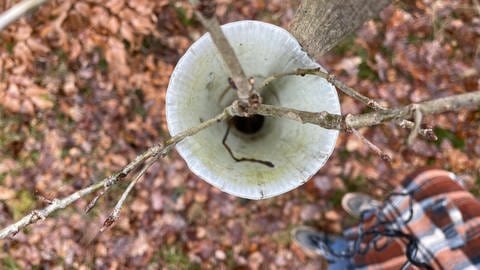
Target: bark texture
[{"x": 320, "y": 24}]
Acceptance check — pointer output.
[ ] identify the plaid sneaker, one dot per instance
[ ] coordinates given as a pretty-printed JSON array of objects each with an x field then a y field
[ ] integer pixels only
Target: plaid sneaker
[{"x": 356, "y": 203}]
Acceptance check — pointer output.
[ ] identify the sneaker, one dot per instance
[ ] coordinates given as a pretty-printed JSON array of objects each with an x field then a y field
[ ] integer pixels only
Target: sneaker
[
  {"x": 327, "y": 246},
  {"x": 356, "y": 203}
]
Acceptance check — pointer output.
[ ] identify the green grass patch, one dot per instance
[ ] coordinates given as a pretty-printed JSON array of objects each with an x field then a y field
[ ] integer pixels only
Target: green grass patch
[
  {"x": 183, "y": 17},
  {"x": 2, "y": 177},
  {"x": 345, "y": 46},
  {"x": 175, "y": 258},
  {"x": 10, "y": 46},
  {"x": 103, "y": 64},
  {"x": 336, "y": 198},
  {"x": 21, "y": 204},
  {"x": 444, "y": 134},
  {"x": 364, "y": 70},
  {"x": 344, "y": 154},
  {"x": 9, "y": 263}
]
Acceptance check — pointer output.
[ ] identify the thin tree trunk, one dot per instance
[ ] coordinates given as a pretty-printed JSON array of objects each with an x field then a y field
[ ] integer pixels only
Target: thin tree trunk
[{"x": 320, "y": 24}]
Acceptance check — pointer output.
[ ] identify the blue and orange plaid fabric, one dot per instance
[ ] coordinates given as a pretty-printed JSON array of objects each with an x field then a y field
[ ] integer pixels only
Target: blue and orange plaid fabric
[{"x": 430, "y": 222}]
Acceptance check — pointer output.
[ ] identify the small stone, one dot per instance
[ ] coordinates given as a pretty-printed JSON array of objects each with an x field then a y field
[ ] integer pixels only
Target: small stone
[
  {"x": 219, "y": 254},
  {"x": 201, "y": 233}
]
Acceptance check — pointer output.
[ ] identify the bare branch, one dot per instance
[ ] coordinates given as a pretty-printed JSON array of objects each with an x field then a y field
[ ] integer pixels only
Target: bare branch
[
  {"x": 206, "y": 15},
  {"x": 154, "y": 151},
  {"x": 17, "y": 11},
  {"x": 297, "y": 72},
  {"x": 371, "y": 145},
  {"x": 440, "y": 105},
  {"x": 118, "y": 207},
  {"x": 427, "y": 133},
  {"x": 335, "y": 121}
]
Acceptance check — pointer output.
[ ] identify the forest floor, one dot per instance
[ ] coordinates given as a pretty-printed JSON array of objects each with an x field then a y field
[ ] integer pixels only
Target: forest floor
[{"x": 82, "y": 92}]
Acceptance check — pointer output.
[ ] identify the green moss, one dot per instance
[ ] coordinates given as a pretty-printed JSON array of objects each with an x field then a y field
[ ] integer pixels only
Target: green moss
[
  {"x": 356, "y": 185},
  {"x": 10, "y": 46},
  {"x": 176, "y": 259},
  {"x": 34, "y": 156},
  {"x": 13, "y": 134},
  {"x": 2, "y": 177},
  {"x": 138, "y": 107},
  {"x": 344, "y": 154},
  {"x": 364, "y": 70},
  {"x": 177, "y": 192},
  {"x": 388, "y": 52},
  {"x": 22, "y": 204},
  {"x": 444, "y": 134},
  {"x": 231, "y": 264},
  {"x": 366, "y": 73},
  {"x": 9, "y": 263},
  {"x": 413, "y": 39},
  {"x": 336, "y": 198},
  {"x": 103, "y": 64},
  {"x": 182, "y": 16},
  {"x": 346, "y": 45},
  {"x": 431, "y": 161}
]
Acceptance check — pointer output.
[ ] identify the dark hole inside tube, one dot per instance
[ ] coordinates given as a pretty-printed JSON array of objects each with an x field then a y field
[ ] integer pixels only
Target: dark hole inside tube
[{"x": 248, "y": 125}]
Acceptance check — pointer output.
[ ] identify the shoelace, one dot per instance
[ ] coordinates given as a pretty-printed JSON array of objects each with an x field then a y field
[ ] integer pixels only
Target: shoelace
[{"x": 383, "y": 227}]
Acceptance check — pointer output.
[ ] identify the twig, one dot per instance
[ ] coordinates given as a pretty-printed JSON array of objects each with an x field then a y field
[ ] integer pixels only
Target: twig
[
  {"x": 118, "y": 207},
  {"x": 418, "y": 116},
  {"x": 427, "y": 133},
  {"x": 383, "y": 113},
  {"x": 205, "y": 13},
  {"x": 154, "y": 151},
  {"x": 371, "y": 146},
  {"x": 351, "y": 92},
  {"x": 17, "y": 11},
  {"x": 297, "y": 72},
  {"x": 335, "y": 121}
]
